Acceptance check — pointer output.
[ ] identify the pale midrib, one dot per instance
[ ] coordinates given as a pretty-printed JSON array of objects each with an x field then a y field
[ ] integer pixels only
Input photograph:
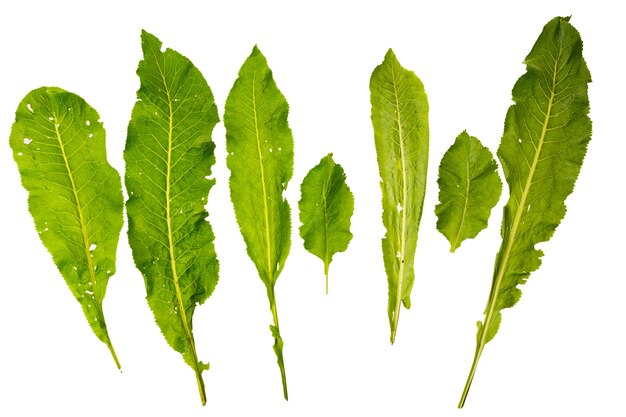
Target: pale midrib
[
  {"x": 404, "y": 208},
  {"x": 81, "y": 218},
  {"x": 268, "y": 241},
  {"x": 326, "y": 191},
  {"x": 326, "y": 225},
  {"x": 467, "y": 187},
  {"x": 170, "y": 237},
  {"x": 518, "y": 215}
]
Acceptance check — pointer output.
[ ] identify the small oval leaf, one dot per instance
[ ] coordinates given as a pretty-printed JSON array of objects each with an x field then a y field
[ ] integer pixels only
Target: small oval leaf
[
  {"x": 469, "y": 188},
  {"x": 326, "y": 207}
]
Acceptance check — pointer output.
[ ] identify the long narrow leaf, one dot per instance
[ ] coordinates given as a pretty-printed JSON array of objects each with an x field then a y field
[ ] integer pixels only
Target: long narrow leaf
[
  {"x": 545, "y": 139},
  {"x": 74, "y": 195},
  {"x": 169, "y": 155},
  {"x": 400, "y": 120},
  {"x": 260, "y": 158}
]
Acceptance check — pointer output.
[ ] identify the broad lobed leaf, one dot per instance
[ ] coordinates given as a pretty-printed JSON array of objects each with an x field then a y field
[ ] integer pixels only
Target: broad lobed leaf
[
  {"x": 326, "y": 207},
  {"x": 400, "y": 120},
  {"x": 469, "y": 187},
  {"x": 74, "y": 195},
  {"x": 545, "y": 139},
  {"x": 542, "y": 149},
  {"x": 169, "y": 154}
]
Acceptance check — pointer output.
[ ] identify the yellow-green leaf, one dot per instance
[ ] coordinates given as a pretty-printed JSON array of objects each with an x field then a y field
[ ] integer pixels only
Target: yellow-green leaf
[
  {"x": 169, "y": 155},
  {"x": 326, "y": 207},
  {"x": 400, "y": 120},
  {"x": 74, "y": 195},
  {"x": 260, "y": 159}
]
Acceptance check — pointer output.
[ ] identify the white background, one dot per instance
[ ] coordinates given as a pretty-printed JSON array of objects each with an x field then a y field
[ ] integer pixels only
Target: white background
[{"x": 560, "y": 351}]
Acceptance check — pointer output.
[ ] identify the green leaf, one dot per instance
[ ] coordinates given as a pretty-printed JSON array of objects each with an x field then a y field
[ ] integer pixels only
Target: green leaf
[
  {"x": 74, "y": 195},
  {"x": 469, "y": 187},
  {"x": 326, "y": 207},
  {"x": 400, "y": 119},
  {"x": 545, "y": 139},
  {"x": 260, "y": 158},
  {"x": 169, "y": 154}
]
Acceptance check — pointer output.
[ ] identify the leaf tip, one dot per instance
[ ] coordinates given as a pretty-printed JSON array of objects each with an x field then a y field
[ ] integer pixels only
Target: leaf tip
[
  {"x": 390, "y": 55},
  {"x": 148, "y": 40},
  {"x": 145, "y": 35}
]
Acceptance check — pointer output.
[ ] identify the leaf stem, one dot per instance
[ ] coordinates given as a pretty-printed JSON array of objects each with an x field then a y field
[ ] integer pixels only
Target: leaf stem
[
  {"x": 326, "y": 273},
  {"x": 394, "y": 320},
  {"x": 470, "y": 377},
  {"x": 278, "y": 341},
  {"x": 200, "y": 382},
  {"x": 117, "y": 362}
]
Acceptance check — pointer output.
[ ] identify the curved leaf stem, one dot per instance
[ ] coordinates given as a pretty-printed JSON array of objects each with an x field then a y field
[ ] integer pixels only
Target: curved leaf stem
[
  {"x": 278, "y": 341},
  {"x": 507, "y": 244},
  {"x": 470, "y": 377},
  {"x": 117, "y": 362}
]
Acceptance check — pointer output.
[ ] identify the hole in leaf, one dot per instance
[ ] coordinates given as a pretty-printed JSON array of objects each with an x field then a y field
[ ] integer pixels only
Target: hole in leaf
[
  {"x": 30, "y": 108},
  {"x": 27, "y": 141}
]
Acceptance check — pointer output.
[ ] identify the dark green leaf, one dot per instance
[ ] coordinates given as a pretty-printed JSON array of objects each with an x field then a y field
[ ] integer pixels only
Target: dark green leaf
[
  {"x": 545, "y": 139},
  {"x": 469, "y": 187}
]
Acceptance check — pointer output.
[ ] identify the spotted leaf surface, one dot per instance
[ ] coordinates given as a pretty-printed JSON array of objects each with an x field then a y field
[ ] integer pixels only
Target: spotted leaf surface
[
  {"x": 74, "y": 195},
  {"x": 169, "y": 156}
]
